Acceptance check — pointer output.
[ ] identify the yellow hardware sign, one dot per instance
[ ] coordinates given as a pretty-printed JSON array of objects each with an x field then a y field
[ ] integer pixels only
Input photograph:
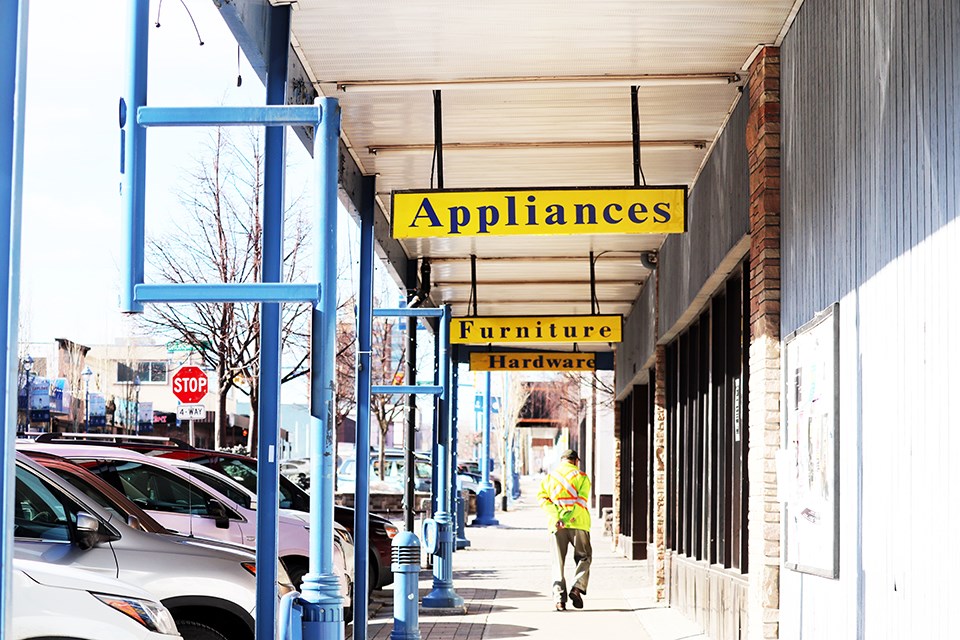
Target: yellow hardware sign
[
  {"x": 483, "y": 330},
  {"x": 542, "y": 212},
  {"x": 532, "y": 361}
]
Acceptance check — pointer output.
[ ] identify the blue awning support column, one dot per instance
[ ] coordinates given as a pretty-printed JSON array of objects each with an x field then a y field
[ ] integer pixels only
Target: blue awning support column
[
  {"x": 443, "y": 595},
  {"x": 13, "y": 86},
  {"x": 486, "y": 496},
  {"x": 133, "y": 156},
  {"x": 361, "y": 514},
  {"x": 323, "y": 611},
  {"x": 268, "y": 409},
  {"x": 322, "y": 601}
]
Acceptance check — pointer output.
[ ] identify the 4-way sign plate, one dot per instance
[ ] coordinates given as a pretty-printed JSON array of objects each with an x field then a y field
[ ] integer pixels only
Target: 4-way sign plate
[{"x": 191, "y": 412}]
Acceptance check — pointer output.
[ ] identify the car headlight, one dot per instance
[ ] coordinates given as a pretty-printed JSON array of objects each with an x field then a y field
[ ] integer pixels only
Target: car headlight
[
  {"x": 152, "y": 615},
  {"x": 391, "y": 530}
]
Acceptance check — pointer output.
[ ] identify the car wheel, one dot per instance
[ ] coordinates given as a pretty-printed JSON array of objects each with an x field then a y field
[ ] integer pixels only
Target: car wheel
[
  {"x": 296, "y": 570},
  {"x": 373, "y": 573},
  {"x": 191, "y": 630}
]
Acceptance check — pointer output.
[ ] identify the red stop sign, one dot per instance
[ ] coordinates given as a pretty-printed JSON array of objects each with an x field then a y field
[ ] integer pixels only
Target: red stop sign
[{"x": 189, "y": 384}]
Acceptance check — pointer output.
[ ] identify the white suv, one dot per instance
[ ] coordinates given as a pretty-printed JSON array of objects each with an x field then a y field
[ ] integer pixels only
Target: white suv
[
  {"x": 50, "y": 601},
  {"x": 209, "y": 589}
]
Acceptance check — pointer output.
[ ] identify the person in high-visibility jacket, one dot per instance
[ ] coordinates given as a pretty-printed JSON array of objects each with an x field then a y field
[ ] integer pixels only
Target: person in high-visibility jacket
[{"x": 563, "y": 497}]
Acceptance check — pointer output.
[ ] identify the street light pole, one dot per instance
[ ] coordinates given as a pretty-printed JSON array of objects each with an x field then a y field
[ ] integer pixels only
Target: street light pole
[
  {"x": 136, "y": 405},
  {"x": 87, "y": 372},
  {"x": 27, "y": 367}
]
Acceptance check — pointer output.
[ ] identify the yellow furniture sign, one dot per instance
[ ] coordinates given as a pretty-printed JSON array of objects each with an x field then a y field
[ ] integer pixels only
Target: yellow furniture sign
[
  {"x": 532, "y": 361},
  {"x": 516, "y": 212},
  {"x": 486, "y": 329}
]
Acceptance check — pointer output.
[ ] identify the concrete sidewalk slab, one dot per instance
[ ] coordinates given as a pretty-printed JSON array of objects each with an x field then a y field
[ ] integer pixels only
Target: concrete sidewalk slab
[{"x": 504, "y": 579}]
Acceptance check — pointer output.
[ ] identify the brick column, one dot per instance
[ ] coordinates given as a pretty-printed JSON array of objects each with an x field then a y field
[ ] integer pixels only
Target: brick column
[
  {"x": 616, "y": 475},
  {"x": 763, "y": 148},
  {"x": 660, "y": 472}
]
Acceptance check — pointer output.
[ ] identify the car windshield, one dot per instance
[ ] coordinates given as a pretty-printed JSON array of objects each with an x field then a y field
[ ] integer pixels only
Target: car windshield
[
  {"x": 222, "y": 485},
  {"x": 147, "y": 523},
  {"x": 149, "y": 487},
  {"x": 38, "y": 513},
  {"x": 244, "y": 473}
]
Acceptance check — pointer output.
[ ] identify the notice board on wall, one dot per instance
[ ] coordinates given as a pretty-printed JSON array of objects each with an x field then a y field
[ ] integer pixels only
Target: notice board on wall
[{"x": 808, "y": 473}]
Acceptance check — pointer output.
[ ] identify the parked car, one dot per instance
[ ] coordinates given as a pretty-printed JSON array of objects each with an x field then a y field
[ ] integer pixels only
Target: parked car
[
  {"x": 190, "y": 507},
  {"x": 240, "y": 494},
  {"x": 53, "y": 601},
  {"x": 243, "y": 469},
  {"x": 209, "y": 590},
  {"x": 472, "y": 467},
  {"x": 394, "y": 471}
]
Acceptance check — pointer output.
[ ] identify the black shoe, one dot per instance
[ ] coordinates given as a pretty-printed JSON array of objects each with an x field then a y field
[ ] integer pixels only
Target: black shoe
[
  {"x": 576, "y": 597},
  {"x": 561, "y": 606}
]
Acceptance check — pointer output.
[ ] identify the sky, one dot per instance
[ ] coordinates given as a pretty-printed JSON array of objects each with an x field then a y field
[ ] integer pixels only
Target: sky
[{"x": 71, "y": 206}]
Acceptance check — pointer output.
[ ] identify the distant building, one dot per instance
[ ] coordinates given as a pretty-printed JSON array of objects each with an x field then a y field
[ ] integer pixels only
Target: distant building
[{"x": 128, "y": 388}]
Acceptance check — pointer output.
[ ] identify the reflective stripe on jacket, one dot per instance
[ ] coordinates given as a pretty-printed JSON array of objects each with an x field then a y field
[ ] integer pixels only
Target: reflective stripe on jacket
[{"x": 563, "y": 496}]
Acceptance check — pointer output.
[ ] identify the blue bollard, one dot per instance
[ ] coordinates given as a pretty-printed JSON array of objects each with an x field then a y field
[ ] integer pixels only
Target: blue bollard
[
  {"x": 462, "y": 542},
  {"x": 406, "y": 587}
]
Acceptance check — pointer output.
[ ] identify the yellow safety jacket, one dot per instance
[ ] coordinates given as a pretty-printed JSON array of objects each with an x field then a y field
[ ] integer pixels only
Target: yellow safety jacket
[{"x": 563, "y": 496}]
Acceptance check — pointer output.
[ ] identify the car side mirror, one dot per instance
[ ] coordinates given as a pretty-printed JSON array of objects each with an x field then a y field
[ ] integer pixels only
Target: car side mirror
[
  {"x": 218, "y": 511},
  {"x": 90, "y": 531}
]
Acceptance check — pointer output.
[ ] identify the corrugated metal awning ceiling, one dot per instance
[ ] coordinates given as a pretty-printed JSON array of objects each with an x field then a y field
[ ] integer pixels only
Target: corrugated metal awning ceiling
[{"x": 563, "y": 120}]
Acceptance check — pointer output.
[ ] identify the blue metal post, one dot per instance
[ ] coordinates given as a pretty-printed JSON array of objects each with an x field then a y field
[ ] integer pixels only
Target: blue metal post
[
  {"x": 322, "y": 603},
  {"x": 361, "y": 501},
  {"x": 443, "y": 595},
  {"x": 434, "y": 450},
  {"x": 13, "y": 84},
  {"x": 486, "y": 496},
  {"x": 133, "y": 155},
  {"x": 268, "y": 427}
]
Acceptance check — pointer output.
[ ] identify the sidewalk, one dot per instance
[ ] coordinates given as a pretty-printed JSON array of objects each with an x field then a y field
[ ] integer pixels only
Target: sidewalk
[{"x": 504, "y": 578}]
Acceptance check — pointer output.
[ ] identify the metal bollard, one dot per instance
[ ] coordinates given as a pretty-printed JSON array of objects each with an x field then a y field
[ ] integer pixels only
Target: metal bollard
[
  {"x": 462, "y": 542},
  {"x": 406, "y": 587}
]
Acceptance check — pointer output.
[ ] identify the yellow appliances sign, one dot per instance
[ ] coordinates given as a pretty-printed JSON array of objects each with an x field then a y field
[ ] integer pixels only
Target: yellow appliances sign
[
  {"x": 532, "y": 361},
  {"x": 486, "y": 329},
  {"x": 542, "y": 212}
]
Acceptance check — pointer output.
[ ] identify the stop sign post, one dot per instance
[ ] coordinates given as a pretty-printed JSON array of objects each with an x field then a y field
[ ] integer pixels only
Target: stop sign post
[{"x": 189, "y": 385}]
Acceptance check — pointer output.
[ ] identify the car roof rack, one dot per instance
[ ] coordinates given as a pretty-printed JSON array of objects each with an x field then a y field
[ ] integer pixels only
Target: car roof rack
[{"x": 109, "y": 438}]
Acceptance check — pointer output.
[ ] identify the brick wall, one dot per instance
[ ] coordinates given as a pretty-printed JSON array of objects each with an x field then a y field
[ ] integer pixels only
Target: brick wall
[
  {"x": 660, "y": 472},
  {"x": 763, "y": 147}
]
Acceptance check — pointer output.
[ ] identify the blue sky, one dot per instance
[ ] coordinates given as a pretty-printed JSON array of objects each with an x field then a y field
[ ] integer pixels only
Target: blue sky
[{"x": 71, "y": 211}]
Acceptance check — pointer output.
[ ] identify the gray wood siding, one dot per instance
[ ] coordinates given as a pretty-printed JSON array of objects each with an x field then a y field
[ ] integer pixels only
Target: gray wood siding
[
  {"x": 870, "y": 108},
  {"x": 718, "y": 217},
  {"x": 638, "y": 342}
]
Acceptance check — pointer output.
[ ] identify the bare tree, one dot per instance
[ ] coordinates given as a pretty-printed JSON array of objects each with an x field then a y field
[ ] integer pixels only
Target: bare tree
[
  {"x": 345, "y": 368},
  {"x": 221, "y": 241},
  {"x": 516, "y": 393},
  {"x": 388, "y": 365}
]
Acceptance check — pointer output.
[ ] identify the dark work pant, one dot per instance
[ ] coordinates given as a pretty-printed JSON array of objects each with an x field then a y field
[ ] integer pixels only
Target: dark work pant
[{"x": 582, "y": 555}]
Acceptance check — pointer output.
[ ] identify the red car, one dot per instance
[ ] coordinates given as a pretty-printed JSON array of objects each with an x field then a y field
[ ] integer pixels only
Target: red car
[{"x": 243, "y": 469}]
